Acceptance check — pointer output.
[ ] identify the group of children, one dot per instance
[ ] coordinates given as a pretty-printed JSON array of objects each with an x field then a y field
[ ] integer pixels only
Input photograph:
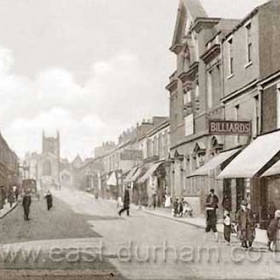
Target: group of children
[{"x": 181, "y": 208}]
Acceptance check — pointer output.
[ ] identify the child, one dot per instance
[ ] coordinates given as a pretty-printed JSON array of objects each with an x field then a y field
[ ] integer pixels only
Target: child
[
  {"x": 227, "y": 226},
  {"x": 175, "y": 207},
  {"x": 272, "y": 230}
]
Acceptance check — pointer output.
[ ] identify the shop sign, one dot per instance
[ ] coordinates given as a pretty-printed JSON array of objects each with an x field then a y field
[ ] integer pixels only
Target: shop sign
[{"x": 229, "y": 127}]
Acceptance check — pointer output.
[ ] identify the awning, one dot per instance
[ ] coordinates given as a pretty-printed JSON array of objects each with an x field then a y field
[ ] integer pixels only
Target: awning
[
  {"x": 127, "y": 179},
  {"x": 256, "y": 158},
  {"x": 214, "y": 163},
  {"x": 112, "y": 181},
  {"x": 274, "y": 170},
  {"x": 136, "y": 175},
  {"x": 150, "y": 172}
]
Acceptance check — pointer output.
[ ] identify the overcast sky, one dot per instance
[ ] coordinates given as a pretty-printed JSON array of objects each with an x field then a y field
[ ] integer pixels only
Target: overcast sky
[{"x": 89, "y": 68}]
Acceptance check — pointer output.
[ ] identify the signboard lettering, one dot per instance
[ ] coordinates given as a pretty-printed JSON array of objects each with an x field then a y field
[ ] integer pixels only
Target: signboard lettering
[{"x": 229, "y": 127}]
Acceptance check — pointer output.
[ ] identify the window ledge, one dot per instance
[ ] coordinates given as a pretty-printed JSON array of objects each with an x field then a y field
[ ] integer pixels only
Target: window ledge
[
  {"x": 248, "y": 64},
  {"x": 230, "y": 76}
]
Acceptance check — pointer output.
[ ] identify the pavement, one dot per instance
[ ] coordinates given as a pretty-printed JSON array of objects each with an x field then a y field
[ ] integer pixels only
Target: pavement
[
  {"x": 58, "y": 244},
  {"x": 7, "y": 209},
  {"x": 200, "y": 222}
]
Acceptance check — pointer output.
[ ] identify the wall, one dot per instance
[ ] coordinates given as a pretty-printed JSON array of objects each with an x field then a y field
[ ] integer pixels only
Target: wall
[
  {"x": 269, "y": 102},
  {"x": 269, "y": 18},
  {"x": 243, "y": 73}
]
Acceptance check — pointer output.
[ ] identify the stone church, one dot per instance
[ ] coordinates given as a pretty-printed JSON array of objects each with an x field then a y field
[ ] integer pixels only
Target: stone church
[{"x": 48, "y": 168}]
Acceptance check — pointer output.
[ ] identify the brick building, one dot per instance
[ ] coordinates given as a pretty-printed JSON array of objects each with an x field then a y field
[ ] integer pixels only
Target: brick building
[
  {"x": 195, "y": 91},
  {"x": 227, "y": 71}
]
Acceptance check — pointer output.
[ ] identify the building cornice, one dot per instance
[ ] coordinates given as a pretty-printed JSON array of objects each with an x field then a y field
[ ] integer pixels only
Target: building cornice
[
  {"x": 172, "y": 86},
  {"x": 176, "y": 48},
  {"x": 240, "y": 91},
  {"x": 204, "y": 22},
  {"x": 211, "y": 53},
  {"x": 190, "y": 74}
]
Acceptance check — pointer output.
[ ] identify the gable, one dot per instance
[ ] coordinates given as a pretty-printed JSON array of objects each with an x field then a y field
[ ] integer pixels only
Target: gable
[{"x": 188, "y": 11}]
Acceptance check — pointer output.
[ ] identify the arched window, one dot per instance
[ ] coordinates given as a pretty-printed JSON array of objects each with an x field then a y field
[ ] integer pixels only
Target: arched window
[{"x": 216, "y": 146}]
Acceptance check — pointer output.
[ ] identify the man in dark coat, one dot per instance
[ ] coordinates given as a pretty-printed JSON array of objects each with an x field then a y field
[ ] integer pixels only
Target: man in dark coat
[
  {"x": 211, "y": 204},
  {"x": 49, "y": 200},
  {"x": 246, "y": 225},
  {"x": 26, "y": 202},
  {"x": 126, "y": 202}
]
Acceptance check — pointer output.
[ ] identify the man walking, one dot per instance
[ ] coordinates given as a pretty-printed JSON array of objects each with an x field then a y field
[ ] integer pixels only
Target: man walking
[
  {"x": 211, "y": 204},
  {"x": 126, "y": 202},
  {"x": 26, "y": 202},
  {"x": 49, "y": 200},
  {"x": 245, "y": 223}
]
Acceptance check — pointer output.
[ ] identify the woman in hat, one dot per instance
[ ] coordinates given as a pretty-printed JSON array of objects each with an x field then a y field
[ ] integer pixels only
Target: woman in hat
[
  {"x": 272, "y": 230},
  {"x": 245, "y": 223}
]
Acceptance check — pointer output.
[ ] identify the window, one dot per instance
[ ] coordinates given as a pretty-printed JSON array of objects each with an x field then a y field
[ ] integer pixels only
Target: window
[
  {"x": 196, "y": 90},
  {"x": 249, "y": 42},
  {"x": 230, "y": 57},
  {"x": 256, "y": 129},
  {"x": 187, "y": 97},
  {"x": 209, "y": 90},
  {"x": 189, "y": 128}
]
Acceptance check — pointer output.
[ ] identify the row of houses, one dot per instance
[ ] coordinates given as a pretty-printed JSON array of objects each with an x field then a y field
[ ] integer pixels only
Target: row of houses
[
  {"x": 139, "y": 160},
  {"x": 223, "y": 128},
  {"x": 9, "y": 169}
]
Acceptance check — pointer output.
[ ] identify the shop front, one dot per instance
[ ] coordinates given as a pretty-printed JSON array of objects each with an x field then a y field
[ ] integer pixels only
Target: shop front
[{"x": 254, "y": 175}]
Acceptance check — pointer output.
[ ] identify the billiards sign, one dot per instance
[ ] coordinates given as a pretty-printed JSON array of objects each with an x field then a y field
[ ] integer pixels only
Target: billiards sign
[{"x": 229, "y": 127}]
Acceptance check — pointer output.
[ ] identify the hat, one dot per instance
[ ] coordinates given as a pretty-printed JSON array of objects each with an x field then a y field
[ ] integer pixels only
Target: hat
[
  {"x": 244, "y": 202},
  {"x": 277, "y": 214}
]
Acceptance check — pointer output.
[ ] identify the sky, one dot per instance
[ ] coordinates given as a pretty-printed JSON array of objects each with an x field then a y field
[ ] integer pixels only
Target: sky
[{"x": 88, "y": 68}]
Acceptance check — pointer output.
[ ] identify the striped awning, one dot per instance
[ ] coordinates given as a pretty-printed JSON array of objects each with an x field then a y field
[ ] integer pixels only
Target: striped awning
[
  {"x": 112, "y": 180},
  {"x": 150, "y": 172},
  {"x": 127, "y": 179}
]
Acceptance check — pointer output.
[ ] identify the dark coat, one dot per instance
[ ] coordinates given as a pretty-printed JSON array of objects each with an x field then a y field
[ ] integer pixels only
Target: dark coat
[
  {"x": 212, "y": 201},
  {"x": 49, "y": 198},
  {"x": 26, "y": 202},
  {"x": 126, "y": 199},
  {"x": 246, "y": 225},
  {"x": 272, "y": 230}
]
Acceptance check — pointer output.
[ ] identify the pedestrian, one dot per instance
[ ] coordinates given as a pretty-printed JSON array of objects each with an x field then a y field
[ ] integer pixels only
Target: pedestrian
[
  {"x": 181, "y": 207},
  {"x": 226, "y": 203},
  {"x": 167, "y": 202},
  {"x": 154, "y": 198},
  {"x": 26, "y": 202},
  {"x": 11, "y": 197},
  {"x": 227, "y": 226},
  {"x": 126, "y": 202},
  {"x": 188, "y": 211},
  {"x": 15, "y": 190},
  {"x": 245, "y": 225},
  {"x": 175, "y": 207},
  {"x": 49, "y": 200},
  {"x": 272, "y": 230},
  {"x": 211, "y": 204}
]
